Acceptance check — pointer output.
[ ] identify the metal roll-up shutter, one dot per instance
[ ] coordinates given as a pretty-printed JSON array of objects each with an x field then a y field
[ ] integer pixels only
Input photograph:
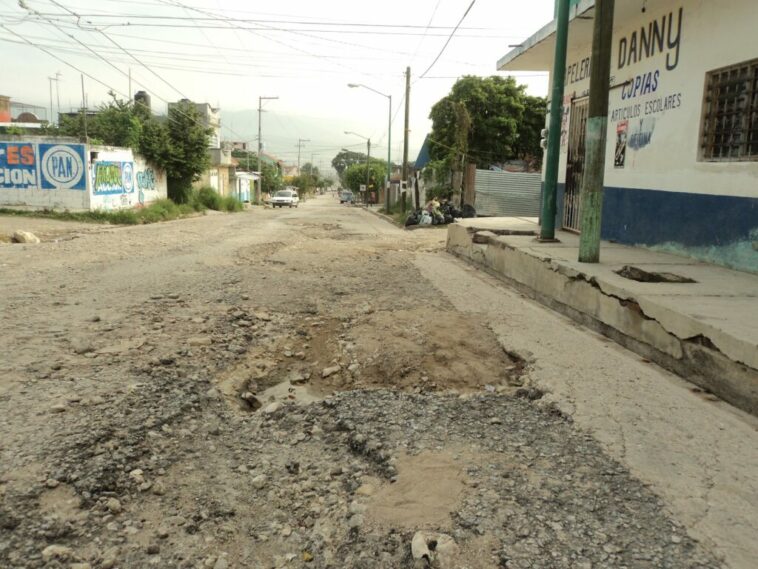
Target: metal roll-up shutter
[{"x": 508, "y": 194}]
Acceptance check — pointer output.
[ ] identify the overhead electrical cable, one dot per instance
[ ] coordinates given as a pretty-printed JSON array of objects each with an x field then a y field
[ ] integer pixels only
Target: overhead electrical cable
[{"x": 448, "y": 39}]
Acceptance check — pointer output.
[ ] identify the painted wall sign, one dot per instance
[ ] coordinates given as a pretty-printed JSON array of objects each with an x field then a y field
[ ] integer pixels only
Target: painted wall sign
[
  {"x": 113, "y": 178},
  {"x": 662, "y": 35},
  {"x": 578, "y": 71},
  {"x": 37, "y": 166},
  {"x": 641, "y": 133}
]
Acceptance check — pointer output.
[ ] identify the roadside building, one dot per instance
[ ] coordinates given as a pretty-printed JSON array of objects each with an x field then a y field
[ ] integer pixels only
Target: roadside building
[
  {"x": 62, "y": 173},
  {"x": 682, "y": 155},
  {"x": 18, "y": 115}
]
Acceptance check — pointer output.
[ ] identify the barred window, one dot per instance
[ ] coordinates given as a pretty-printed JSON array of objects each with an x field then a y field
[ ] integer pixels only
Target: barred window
[{"x": 730, "y": 113}]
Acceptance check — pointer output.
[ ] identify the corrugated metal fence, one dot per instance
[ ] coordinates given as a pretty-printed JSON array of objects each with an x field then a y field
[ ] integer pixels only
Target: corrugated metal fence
[{"x": 507, "y": 194}]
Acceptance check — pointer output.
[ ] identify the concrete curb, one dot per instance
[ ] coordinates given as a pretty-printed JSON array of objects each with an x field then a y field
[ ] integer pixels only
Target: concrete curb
[{"x": 714, "y": 357}]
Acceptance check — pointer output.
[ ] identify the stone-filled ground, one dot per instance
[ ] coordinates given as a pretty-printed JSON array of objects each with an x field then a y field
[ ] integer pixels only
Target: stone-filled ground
[{"x": 305, "y": 401}]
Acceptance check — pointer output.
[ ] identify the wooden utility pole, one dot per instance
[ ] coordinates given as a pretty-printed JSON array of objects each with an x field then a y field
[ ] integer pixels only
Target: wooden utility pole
[
  {"x": 597, "y": 130},
  {"x": 405, "y": 130},
  {"x": 300, "y": 143}
]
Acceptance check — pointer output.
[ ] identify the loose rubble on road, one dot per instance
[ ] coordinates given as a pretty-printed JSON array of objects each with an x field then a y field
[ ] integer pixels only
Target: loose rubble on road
[{"x": 299, "y": 399}]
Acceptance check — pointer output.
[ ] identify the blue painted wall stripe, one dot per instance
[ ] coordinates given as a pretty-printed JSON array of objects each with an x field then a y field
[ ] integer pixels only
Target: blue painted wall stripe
[{"x": 650, "y": 217}]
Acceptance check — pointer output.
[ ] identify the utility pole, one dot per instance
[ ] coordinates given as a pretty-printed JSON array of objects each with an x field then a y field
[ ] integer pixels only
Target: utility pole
[
  {"x": 597, "y": 129},
  {"x": 547, "y": 229},
  {"x": 50, "y": 83},
  {"x": 300, "y": 143},
  {"x": 368, "y": 158},
  {"x": 260, "y": 140},
  {"x": 405, "y": 130},
  {"x": 130, "y": 85},
  {"x": 58, "y": 75},
  {"x": 84, "y": 110}
]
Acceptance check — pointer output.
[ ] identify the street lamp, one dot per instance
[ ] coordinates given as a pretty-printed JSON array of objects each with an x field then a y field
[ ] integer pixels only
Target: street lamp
[
  {"x": 389, "y": 142},
  {"x": 368, "y": 156}
]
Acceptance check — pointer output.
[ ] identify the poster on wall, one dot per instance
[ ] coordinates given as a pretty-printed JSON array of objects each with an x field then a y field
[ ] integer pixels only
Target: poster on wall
[
  {"x": 38, "y": 166},
  {"x": 112, "y": 178},
  {"x": 565, "y": 115},
  {"x": 621, "y": 137}
]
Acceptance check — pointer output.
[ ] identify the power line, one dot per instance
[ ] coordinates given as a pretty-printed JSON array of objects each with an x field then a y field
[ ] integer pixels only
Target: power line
[
  {"x": 428, "y": 25},
  {"x": 448, "y": 39},
  {"x": 382, "y": 50},
  {"x": 114, "y": 42},
  {"x": 196, "y": 121},
  {"x": 230, "y": 23},
  {"x": 71, "y": 65},
  {"x": 331, "y": 23}
]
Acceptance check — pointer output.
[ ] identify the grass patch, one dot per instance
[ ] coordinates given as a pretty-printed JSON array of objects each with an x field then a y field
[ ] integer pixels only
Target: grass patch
[
  {"x": 160, "y": 210},
  {"x": 231, "y": 204},
  {"x": 208, "y": 197},
  {"x": 396, "y": 213}
]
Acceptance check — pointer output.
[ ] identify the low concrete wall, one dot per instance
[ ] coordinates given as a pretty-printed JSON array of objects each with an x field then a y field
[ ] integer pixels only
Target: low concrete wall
[
  {"x": 43, "y": 172},
  {"x": 711, "y": 357},
  {"x": 60, "y": 173}
]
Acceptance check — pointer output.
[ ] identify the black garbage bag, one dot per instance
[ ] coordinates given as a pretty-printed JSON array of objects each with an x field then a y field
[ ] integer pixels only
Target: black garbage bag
[
  {"x": 468, "y": 211},
  {"x": 413, "y": 218},
  {"x": 449, "y": 218},
  {"x": 448, "y": 209}
]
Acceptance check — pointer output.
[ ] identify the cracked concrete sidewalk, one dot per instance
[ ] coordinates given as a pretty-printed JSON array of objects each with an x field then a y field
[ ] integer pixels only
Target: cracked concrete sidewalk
[
  {"x": 703, "y": 330},
  {"x": 697, "y": 452}
]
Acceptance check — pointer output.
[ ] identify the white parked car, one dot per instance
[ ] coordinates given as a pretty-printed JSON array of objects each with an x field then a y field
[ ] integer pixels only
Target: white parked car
[{"x": 284, "y": 198}]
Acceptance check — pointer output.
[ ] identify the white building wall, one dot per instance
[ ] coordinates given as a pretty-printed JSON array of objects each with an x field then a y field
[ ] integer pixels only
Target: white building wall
[{"x": 713, "y": 35}]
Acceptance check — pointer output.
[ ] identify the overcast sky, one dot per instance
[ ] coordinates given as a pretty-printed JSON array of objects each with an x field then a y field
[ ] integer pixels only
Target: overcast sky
[{"x": 230, "y": 52}]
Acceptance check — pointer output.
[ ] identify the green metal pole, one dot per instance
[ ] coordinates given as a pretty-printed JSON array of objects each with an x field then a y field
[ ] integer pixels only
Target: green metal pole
[
  {"x": 368, "y": 162},
  {"x": 547, "y": 231},
  {"x": 389, "y": 163},
  {"x": 597, "y": 132}
]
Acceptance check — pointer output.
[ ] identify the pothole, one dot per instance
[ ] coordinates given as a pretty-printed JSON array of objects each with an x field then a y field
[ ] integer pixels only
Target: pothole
[{"x": 643, "y": 276}]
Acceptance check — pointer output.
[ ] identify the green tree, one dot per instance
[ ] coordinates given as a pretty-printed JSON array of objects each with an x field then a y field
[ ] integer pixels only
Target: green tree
[
  {"x": 154, "y": 142},
  {"x": 355, "y": 175},
  {"x": 346, "y": 158},
  {"x": 271, "y": 178},
  {"x": 498, "y": 130},
  {"x": 116, "y": 124},
  {"x": 188, "y": 154},
  {"x": 527, "y": 145}
]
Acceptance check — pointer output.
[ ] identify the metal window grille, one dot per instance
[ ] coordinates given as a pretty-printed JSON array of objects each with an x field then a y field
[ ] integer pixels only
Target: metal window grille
[{"x": 730, "y": 117}]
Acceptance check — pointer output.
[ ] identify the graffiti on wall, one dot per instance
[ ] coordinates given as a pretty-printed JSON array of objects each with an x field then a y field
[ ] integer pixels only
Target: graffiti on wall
[
  {"x": 146, "y": 179},
  {"x": 39, "y": 166},
  {"x": 112, "y": 178},
  {"x": 145, "y": 183}
]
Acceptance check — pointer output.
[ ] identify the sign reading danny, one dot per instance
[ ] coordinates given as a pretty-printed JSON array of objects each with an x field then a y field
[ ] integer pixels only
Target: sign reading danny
[{"x": 41, "y": 166}]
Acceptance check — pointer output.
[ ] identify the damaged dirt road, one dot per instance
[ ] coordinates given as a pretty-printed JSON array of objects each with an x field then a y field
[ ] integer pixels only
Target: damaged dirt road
[{"x": 312, "y": 388}]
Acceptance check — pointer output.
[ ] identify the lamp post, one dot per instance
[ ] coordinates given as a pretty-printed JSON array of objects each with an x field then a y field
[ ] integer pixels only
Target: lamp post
[
  {"x": 368, "y": 156},
  {"x": 389, "y": 142}
]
